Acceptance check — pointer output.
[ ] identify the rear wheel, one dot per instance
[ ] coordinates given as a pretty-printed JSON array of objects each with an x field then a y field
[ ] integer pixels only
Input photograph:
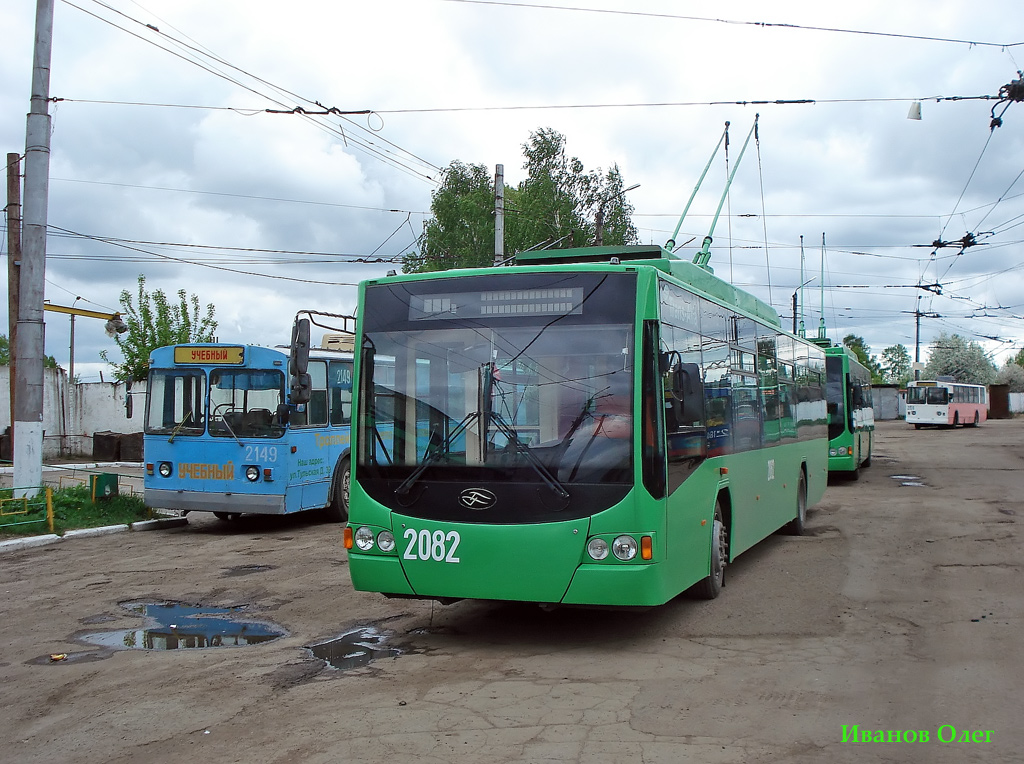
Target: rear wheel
[
  {"x": 711, "y": 587},
  {"x": 977, "y": 419},
  {"x": 337, "y": 510},
  {"x": 797, "y": 526}
]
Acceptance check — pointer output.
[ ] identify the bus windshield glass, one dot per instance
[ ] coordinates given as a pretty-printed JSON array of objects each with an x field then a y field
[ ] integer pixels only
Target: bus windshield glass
[
  {"x": 935, "y": 396},
  {"x": 244, "y": 403},
  {"x": 176, "y": 402},
  {"x": 531, "y": 383}
]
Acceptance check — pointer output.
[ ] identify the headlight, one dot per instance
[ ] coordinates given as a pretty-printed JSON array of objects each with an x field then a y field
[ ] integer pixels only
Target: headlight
[
  {"x": 597, "y": 548},
  {"x": 165, "y": 469},
  {"x": 364, "y": 538},
  {"x": 252, "y": 473},
  {"x": 386, "y": 541},
  {"x": 624, "y": 547},
  {"x": 833, "y": 452}
]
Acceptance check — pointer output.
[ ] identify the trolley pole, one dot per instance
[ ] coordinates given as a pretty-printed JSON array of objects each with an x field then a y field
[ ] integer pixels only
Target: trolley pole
[{"x": 28, "y": 422}]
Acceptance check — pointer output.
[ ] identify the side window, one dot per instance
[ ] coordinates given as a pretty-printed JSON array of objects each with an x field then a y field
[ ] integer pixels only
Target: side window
[
  {"x": 315, "y": 414},
  {"x": 340, "y": 391}
]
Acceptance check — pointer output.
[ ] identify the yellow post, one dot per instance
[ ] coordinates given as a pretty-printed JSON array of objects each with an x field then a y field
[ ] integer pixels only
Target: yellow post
[{"x": 49, "y": 508}]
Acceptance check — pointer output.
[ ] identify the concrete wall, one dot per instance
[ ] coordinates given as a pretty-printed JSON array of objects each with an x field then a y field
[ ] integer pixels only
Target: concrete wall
[
  {"x": 887, "y": 402},
  {"x": 72, "y": 414},
  {"x": 1017, "y": 403}
]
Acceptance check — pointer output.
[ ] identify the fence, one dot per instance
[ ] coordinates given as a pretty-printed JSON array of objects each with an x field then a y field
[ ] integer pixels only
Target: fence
[{"x": 31, "y": 509}]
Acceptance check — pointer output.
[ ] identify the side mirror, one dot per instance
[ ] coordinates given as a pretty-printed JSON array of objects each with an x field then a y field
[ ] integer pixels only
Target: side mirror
[
  {"x": 298, "y": 358},
  {"x": 302, "y": 389}
]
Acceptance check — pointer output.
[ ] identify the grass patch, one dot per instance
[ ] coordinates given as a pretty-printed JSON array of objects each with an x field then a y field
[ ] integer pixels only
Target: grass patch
[{"x": 72, "y": 508}]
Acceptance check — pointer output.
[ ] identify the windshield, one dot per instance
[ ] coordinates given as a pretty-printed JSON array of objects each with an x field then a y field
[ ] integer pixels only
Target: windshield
[
  {"x": 175, "y": 402},
  {"x": 244, "y": 402},
  {"x": 543, "y": 399},
  {"x": 935, "y": 396}
]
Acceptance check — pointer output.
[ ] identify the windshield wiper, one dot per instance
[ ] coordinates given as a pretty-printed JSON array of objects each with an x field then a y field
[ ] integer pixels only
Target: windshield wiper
[
  {"x": 178, "y": 427},
  {"x": 431, "y": 456},
  {"x": 521, "y": 448}
]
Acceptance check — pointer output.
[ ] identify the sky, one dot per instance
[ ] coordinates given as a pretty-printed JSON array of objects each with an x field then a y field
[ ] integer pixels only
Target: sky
[{"x": 166, "y": 163}]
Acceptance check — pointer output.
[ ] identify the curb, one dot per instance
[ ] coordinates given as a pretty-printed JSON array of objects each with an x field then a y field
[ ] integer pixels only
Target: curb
[{"x": 14, "y": 545}]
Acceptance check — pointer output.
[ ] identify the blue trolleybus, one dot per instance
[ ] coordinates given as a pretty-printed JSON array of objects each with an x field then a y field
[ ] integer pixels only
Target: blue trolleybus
[
  {"x": 601, "y": 426},
  {"x": 224, "y": 433}
]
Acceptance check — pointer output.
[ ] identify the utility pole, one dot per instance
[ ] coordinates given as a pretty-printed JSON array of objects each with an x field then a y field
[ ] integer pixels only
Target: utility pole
[
  {"x": 13, "y": 272},
  {"x": 28, "y": 421},
  {"x": 499, "y": 214}
]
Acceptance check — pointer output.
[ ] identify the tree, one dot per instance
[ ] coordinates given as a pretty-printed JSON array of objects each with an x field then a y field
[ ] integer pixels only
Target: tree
[
  {"x": 556, "y": 205},
  {"x": 461, "y": 231},
  {"x": 49, "y": 362},
  {"x": 1011, "y": 374},
  {"x": 896, "y": 365},
  {"x": 153, "y": 322},
  {"x": 950, "y": 355},
  {"x": 863, "y": 353},
  {"x": 1019, "y": 358}
]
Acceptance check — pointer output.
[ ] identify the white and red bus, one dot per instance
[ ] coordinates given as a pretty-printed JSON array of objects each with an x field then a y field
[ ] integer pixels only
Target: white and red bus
[{"x": 946, "y": 404}]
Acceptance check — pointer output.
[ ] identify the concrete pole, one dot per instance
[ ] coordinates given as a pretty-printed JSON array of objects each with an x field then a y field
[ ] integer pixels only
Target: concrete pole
[
  {"x": 28, "y": 422},
  {"x": 499, "y": 214},
  {"x": 13, "y": 270}
]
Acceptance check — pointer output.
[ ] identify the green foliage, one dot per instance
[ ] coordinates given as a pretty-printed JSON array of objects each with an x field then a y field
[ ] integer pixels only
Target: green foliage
[
  {"x": 73, "y": 508},
  {"x": 1019, "y": 358},
  {"x": 558, "y": 205},
  {"x": 953, "y": 356},
  {"x": 896, "y": 365},
  {"x": 154, "y": 321},
  {"x": 1011, "y": 374},
  {"x": 863, "y": 353}
]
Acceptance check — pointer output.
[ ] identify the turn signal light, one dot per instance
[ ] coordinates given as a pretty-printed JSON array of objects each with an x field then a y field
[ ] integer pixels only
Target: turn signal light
[
  {"x": 347, "y": 538},
  {"x": 646, "y": 548}
]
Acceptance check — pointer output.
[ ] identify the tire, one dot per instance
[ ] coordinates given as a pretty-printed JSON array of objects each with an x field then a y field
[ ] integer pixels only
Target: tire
[
  {"x": 337, "y": 510},
  {"x": 917, "y": 427},
  {"x": 977, "y": 420},
  {"x": 710, "y": 587},
  {"x": 956, "y": 419},
  {"x": 798, "y": 525}
]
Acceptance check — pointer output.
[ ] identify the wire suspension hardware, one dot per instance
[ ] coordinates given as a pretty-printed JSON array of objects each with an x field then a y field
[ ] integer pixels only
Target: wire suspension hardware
[{"x": 1012, "y": 91}]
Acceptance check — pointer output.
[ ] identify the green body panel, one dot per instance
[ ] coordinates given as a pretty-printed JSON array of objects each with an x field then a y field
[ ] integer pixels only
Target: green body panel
[{"x": 536, "y": 562}]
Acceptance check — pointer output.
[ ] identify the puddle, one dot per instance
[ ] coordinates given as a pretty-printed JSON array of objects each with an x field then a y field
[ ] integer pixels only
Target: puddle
[
  {"x": 355, "y": 649},
  {"x": 905, "y": 477},
  {"x": 912, "y": 484},
  {"x": 172, "y": 626}
]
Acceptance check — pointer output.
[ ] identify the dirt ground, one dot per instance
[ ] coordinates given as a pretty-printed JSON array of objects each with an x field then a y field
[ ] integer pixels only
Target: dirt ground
[{"x": 900, "y": 612}]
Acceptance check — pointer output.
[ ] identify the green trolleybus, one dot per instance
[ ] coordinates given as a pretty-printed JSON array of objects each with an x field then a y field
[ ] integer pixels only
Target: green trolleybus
[
  {"x": 599, "y": 426},
  {"x": 851, "y": 415}
]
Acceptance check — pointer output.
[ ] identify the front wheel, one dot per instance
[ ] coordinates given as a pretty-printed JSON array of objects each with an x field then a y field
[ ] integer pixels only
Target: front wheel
[
  {"x": 337, "y": 510},
  {"x": 711, "y": 587}
]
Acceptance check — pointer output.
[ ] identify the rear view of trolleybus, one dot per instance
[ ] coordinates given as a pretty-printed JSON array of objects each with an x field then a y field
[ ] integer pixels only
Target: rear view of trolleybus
[
  {"x": 224, "y": 433},
  {"x": 577, "y": 432}
]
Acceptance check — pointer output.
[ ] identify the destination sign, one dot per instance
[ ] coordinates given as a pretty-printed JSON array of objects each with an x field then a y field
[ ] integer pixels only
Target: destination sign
[{"x": 206, "y": 354}]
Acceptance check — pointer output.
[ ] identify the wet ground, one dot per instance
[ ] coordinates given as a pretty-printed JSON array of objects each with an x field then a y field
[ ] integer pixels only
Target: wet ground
[{"x": 900, "y": 611}]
